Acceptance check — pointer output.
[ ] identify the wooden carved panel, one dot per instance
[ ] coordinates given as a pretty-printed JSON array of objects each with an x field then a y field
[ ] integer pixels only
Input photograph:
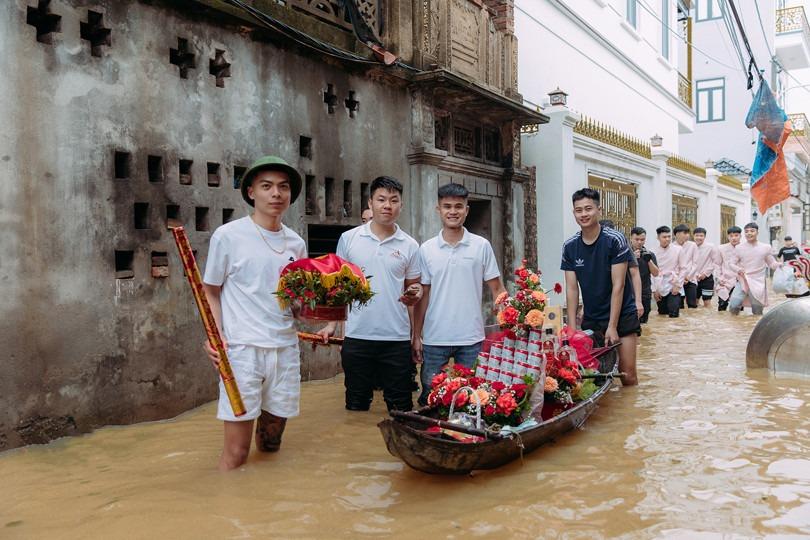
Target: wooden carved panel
[{"x": 465, "y": 38}]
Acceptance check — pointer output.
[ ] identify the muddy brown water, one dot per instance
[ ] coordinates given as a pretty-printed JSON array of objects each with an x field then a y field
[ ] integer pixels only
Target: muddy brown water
[{"x": 701, "y": 449}]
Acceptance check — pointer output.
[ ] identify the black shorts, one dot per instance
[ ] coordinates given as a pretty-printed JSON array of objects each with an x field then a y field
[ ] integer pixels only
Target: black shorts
[
  {"x": 706, "y": 288},
  {"x": 628, "y": 324}
]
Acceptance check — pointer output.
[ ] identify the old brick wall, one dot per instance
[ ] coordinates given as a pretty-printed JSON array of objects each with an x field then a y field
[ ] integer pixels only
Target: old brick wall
[{"x": 106, "y": 143}]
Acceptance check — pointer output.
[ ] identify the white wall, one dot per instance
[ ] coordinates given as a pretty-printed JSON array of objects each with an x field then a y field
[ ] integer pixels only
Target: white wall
[
  {"x": 612, "y": 72},
  {"x": 729, "y": 138}
]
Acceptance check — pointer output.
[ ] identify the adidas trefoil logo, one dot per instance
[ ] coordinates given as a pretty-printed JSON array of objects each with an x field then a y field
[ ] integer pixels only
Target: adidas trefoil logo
[{"x": 579, "y": 262}]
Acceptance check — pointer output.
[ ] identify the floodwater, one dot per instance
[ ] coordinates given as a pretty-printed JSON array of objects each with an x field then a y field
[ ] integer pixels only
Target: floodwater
[{"x": 701, "y": 449}]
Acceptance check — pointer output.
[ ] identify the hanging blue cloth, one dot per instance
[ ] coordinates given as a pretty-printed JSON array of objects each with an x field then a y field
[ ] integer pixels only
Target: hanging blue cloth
[
  {"x": 769, "y": 176},
  {"x": 766, "y": 115}
]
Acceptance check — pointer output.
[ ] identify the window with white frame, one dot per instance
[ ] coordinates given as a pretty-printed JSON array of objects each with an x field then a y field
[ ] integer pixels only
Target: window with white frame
[
  {"x": 707, "y": 10},
  {"x": 711, "y": 100},
  {"x": 632, "y": 12},
  {"x": 665, "y": 28}
]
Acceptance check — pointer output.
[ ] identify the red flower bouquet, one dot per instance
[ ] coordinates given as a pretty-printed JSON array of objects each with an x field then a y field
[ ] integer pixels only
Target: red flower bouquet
[
  {"x": 500, "y": 403},
  {"x": 323, "y": 288},
  {"x": 525, "y": 309}
]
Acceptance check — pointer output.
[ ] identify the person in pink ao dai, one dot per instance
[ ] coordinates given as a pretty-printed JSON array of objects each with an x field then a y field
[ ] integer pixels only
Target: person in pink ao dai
[{"x": 750, "y": 260}]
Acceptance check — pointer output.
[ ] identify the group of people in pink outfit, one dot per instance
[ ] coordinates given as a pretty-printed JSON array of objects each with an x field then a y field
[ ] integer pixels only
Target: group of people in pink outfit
[{"x": 693, "y": 270}]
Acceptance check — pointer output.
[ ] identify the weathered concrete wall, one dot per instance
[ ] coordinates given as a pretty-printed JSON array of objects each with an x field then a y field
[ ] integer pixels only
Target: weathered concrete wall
[{"x": 80, "y": 347}]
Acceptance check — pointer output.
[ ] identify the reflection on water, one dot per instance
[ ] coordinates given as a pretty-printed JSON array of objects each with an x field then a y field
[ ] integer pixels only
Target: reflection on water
[{"x": 701, "y": 449}]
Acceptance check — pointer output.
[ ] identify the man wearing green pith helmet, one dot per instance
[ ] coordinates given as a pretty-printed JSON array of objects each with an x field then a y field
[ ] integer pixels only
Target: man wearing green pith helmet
[{"x": 245, "y": 259}]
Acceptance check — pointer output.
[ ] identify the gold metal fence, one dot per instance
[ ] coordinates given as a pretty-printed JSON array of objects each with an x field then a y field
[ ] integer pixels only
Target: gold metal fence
[
  {"x": 609, "y": 135},
  {"x": 684, "y": 210},
  {"x": 728, "y": 218},
  {"x": 618, "y": 201}
]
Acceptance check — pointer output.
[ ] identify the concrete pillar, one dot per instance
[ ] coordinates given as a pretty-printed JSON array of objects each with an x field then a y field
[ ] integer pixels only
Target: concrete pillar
[
  {"x": 518, "y": 220},
  {"x": 656, "y": 210},
  {"x": 551, "y": 150},
  {"x": 710, "y": 218}
]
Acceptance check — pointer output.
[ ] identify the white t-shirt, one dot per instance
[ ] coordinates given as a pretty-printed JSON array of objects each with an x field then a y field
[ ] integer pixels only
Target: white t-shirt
[
  {"x": 456, "y": 275},
  {"x": 389, "y": 263},
  {"x": 248, "y": 271}
]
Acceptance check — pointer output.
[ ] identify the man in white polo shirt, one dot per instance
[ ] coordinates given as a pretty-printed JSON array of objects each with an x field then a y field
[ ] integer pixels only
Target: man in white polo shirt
[
  {"x": 455, "y": 265},
  {"x": 377, "y": 343}
]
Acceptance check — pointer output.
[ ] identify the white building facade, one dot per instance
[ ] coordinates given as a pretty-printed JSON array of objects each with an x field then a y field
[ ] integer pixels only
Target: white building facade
[
  {"x": 626, "y": 67},
  {"x": 779, "y": 36}
]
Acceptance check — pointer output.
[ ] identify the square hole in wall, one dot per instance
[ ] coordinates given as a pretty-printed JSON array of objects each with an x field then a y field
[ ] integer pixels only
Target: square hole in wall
[
  {"x": 364, "y": 195},
  {"x": 329, "y": 185},
  {"x": 160, "y": 264},
  {"x": 122, "y": 162},
  {"x": 347, "y": 198},
  {"x": 323, "y": 239},
  {"x": 142, "y": 215},
  {"x": 311, "y": 203},
  {"x": 124, "y": 262},
  {"x": 201, "y": 218},
  {"x": 227, "y": 215},
  {"x": 213, "y": 174},
  {"x": 185, "y": 171},
  {"x": 238, "y": 173},
  {"x": 173, "y": 216},
  {"x": 154, "y": 167},
  {"x": 305, "y": 147}
]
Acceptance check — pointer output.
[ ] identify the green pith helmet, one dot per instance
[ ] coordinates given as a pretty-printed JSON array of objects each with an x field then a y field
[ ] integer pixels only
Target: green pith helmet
[{"x": 270, "y": 163}]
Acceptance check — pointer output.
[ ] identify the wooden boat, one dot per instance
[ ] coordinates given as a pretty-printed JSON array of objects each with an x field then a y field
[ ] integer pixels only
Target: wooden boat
[{"x": 408, "y": 440}]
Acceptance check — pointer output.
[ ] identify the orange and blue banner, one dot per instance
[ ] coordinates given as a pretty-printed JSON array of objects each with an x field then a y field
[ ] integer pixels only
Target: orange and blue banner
[{"x": 769, "y": 177}]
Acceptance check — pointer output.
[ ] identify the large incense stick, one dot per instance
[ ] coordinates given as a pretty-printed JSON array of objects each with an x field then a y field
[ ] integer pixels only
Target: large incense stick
[{"x": 211, "y": 330}]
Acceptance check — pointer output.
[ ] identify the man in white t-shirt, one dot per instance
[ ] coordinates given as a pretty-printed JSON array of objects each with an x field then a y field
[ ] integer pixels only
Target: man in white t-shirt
[
  {"x": 377, "y": 343},
  {"x": 245, "y": 259},
  {"x": 455, "y": 265}
]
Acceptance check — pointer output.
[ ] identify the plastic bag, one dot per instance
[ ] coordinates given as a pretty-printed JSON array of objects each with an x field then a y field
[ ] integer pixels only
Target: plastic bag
[
  {"x": 784, "y": 280},
  {"x": 582, "y": 344}
]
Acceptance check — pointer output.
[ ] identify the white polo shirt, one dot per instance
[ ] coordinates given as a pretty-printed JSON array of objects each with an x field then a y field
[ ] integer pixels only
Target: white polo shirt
[
  {"x": 389, "y": 263},
  {"x": 456, "y": 275}
]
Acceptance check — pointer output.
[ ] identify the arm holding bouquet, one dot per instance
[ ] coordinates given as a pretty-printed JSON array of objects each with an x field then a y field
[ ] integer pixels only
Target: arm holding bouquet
[{"x": 495, "y": 287}]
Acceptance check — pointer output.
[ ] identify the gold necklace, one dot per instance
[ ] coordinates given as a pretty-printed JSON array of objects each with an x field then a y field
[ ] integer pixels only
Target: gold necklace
[{"x": 274, "y": 250}]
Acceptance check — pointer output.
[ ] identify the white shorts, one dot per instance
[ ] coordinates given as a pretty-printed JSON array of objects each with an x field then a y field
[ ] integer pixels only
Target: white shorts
[{"x": 268, "y": 379}]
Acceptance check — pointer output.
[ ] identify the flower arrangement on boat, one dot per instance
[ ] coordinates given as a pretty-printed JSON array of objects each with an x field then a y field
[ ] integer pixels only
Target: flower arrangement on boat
[
  {"x": 524, "y": 310},
  {"x": 502, "y": 404},
  {"x": 323, "y": 288}
]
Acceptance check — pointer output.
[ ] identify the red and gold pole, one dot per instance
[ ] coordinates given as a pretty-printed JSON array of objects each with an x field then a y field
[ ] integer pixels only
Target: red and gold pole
[{"x": 211, "y": 330}]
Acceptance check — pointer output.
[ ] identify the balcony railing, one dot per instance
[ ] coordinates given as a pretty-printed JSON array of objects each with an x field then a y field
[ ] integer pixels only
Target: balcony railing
[
  {"x": 799, "y": 122},
  {"x": 685, "y": 90},
  {"x": 792, "y": 19}
]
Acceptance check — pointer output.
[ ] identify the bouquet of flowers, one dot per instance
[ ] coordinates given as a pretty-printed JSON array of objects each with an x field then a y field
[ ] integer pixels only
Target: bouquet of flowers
[
  {"x": 564, "y": 385},
  {"x": 323, "y": 288},
  {"x": 501, "y": 404},
  {"x": 525, "y": 309}
]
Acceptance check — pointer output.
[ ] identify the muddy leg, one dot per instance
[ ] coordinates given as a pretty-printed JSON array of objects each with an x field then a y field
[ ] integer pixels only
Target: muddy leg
[{"x": 269, "y": 429}]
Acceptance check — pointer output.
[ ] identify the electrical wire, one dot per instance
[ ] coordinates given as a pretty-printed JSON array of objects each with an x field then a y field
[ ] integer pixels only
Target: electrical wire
[
  {"x": 762, "y": 27},
  {"x": 308, "y": 41},
  {"x": 676, "y": 34},
  {"x": 752, "y": 59},
  {"x": 735, "y": 40},
  {"x": 597, "y": 64}
]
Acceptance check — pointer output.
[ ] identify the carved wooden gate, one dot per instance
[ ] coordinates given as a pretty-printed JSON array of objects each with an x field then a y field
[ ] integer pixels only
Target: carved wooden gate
[
  {"x": 684, "y": 210},
  {"x": 728, "y": 218},
  {"x": 618, "y": 202}
]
